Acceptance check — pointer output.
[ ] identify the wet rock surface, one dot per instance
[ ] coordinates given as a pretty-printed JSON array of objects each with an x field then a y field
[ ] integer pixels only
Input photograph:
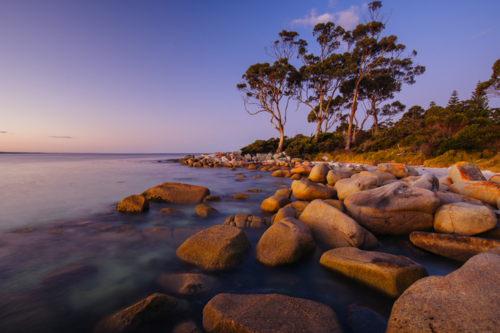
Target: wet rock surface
[
  {"x": 268, "y": 313},
  {"x": 467, "y": 300},
  {"x": 133, "y": 204},
  {"x": 285, "y": 242},
  {"x": 455, "y": 247},
  {"x": 388, "y": 273},
  {"x": 177, "y": 193},
  {"x": 220, "y": 247},
  {"x": 331, "y": 228}
]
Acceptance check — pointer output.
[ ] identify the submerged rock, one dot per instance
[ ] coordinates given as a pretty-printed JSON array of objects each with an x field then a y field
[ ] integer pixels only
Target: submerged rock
[
  {"x": 133, "y": 204},
  {"x": 186, "y": 327},
  {"x": 274, "y": 203},
  {"x": 210, "y": 198},
  {"x": 177, "y": 193},
  {"x": 306, "y": 190},
  {"x": 170, "y": 211},
  {"x": 285, "y": 242},
  {"x": 465, "y": 172},
  {"x": 139, "y": 316},
  {"x": 220, "y": 247},
  {"x": 240, "y": 196},
  {"x": 187, "y": 283},
  {"x": 455, "y": 247},
  {"x": 362, "y": 319},
  {"x": 66, "y": 275},
  {"x": 466, "y": 300},
  {"x": 331, "y": 228},
  {"x": 268, "y": 313},
  {"x": 394, "y": 209},
  {"x": 388, "y": 273},
  {"x": 464, "y": 219}
]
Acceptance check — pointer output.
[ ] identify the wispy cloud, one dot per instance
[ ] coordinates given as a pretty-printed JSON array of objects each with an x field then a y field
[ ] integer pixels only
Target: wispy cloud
[
  {"x": 3, "y": 132},
  {"x": 348, "y": 19},
  {"x": 60, "y": 137},
  {"x": 481, "y": 33}
]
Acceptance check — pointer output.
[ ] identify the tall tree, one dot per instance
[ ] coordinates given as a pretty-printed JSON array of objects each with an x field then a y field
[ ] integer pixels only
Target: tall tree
[
  {"x": 454, "y": 100},
  {"x": 494, "y": 83},
  {"x": 322, "y": 74},
  {"x": 333, "y": 112},
  {"x": 270, "y": 88},
  {"x": 368, "y": 53},
  {"x": 477, "y": 109}
]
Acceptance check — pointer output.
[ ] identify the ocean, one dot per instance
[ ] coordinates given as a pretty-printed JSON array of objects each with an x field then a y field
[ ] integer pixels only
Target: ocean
[{"x": 57, "y": 215}]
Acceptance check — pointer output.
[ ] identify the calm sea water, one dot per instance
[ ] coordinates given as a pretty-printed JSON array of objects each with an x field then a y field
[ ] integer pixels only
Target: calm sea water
[{"x": 57, "y": 213}]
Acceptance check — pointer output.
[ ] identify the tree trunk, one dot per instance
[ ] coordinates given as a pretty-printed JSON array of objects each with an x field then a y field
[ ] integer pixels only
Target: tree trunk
[
  {"x": 282, "y": 139},
  {"x": 351, "y": 118},
  {"x": 375, "y": 119},
  {"x": 318, "y": 130}
]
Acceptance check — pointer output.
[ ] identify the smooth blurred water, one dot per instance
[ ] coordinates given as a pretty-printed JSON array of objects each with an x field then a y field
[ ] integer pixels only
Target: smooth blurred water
[{"x": 68, "y": 202}]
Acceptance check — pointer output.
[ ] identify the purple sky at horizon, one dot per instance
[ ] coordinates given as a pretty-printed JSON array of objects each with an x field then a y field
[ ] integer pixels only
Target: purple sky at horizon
[{"x": 160, "y": 76}]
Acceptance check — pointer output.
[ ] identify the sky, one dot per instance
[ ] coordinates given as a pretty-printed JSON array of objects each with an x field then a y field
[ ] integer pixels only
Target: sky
[{"x": 122, "y": 76}]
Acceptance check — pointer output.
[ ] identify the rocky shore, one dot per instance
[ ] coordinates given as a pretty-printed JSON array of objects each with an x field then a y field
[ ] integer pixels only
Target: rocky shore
[{"x": 340, "y": 209}]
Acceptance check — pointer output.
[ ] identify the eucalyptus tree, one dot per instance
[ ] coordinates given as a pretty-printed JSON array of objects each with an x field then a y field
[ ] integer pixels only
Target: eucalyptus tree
[
  {"x": 332, "y": 110},
  {"x": 369, "y": 54},
  {"x": 321, "y": 75},
  {"x": 494, "y": 83},
  {"x": 270, "y": 88}
]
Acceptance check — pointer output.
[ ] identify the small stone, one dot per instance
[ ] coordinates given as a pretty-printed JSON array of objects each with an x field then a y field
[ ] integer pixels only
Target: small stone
[
  {"x": 210, "y": 198},
  {"x": 240, "y": 196},
  {"x": 170, "y": 211},
  {"x": 254, "y": 190},
  {"x": 274, "y": 203},
  {"x": 186, "y": 284},
  {"x": 203, "y": 210},
  {"x": 257, "y": 176},
  {"x": 133, "y": 204}
]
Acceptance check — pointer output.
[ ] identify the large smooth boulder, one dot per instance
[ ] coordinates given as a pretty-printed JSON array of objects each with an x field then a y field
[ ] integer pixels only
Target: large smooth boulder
[
  {"x": 337, "y": 204},
  {"x": 384, "y": 176},
  {"x": 331, "y": 228},
  {"x": 274, "y": 203},
  {"x": 346, "y": 187},
  {"x": 285, "y": 242},
  {"x": 388, "y": 273},
  {"x": 306, "y": 190},
  {"x": 466, "y": 300},
  {"x": 487, "y": 192},
  {"x": 446, "y": 198},
  {"x": 139, "y": 316},
  {"x": 464, "y": 219},
  {"x": 465, "y": 172},
  {"x": 303, "y": 170},
  {"x": 287, "y": 192},
  {"x": 455, "y": 247},
  {"x": 398, "y": 170},
  {"x": 318, "y": 173},
  {"x": 186, "y": 284},
  {"x": 394, "y": 209},
  {"x": 334, "y": 176},
  {"x": 177, "y": 193},
  {"x": 133, "y": 204},
  {"x": 268, "y": 313},
  {"x": 220, "y": 247}
]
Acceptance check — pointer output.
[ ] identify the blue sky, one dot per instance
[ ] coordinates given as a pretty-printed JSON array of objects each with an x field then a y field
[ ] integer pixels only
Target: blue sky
[{"x": 160, "y": 76}]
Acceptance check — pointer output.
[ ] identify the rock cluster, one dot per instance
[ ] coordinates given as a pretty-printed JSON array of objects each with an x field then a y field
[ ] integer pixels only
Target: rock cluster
[{"x": 245, "y": 221}]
